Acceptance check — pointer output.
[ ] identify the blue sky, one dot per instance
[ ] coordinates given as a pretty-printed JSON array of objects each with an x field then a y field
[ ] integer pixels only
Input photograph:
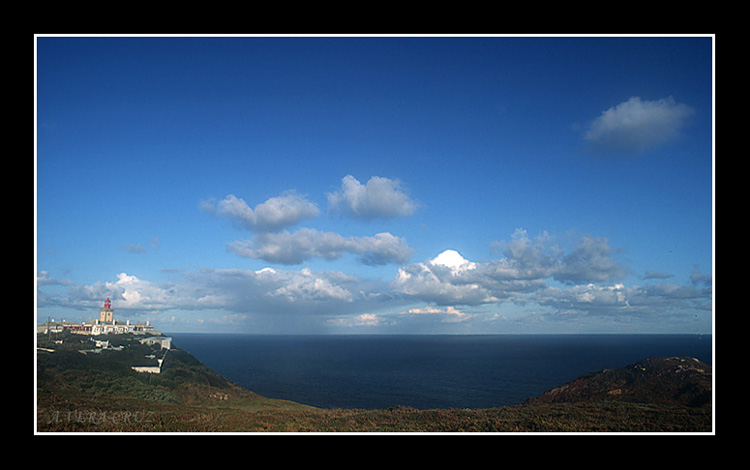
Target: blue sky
[{"x": 377, "y": 184}]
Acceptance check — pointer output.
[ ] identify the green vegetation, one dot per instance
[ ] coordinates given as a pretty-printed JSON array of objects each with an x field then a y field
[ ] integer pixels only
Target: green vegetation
[{"x": 99, "y": 392}]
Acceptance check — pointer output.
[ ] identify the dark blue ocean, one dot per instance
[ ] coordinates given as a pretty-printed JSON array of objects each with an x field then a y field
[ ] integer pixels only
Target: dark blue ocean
[{"x": 423, "y": 371}]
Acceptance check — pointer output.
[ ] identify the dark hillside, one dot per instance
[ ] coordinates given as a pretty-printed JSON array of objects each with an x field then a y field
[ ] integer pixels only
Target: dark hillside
[
  {"x": 74, "y": 370},
  {"x": 680, "y": 381}
]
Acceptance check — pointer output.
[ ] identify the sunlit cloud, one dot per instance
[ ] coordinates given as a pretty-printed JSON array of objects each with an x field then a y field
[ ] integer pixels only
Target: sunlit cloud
[
  {"x": 446, "y": 315},
  {"x": 528, "y": 265},
  {"x": 367, "y": 320}
]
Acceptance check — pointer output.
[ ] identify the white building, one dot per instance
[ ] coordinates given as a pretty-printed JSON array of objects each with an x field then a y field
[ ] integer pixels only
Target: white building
[
  {"x": 118, "y": 327},
  {"x": 105, "y": 324},
  {"x": 164, "y": 341}
]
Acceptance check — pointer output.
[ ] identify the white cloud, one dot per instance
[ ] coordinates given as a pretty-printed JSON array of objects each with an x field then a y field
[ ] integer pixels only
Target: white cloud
[
  {"x": 271, "y": 290},
  {"x": 453, "y": 260},
  {"x": 358, "y": 321},
  {"x": 43, "y": 279},
  {"x": 591, "y": 261},
  {"x": 436, "y": 282},
  {"x": 447, "y": 315},
  {"x": 422, "y": 315},
  {"x": 294, "y": 248},
  {"x": 637, "y": 125},
  {"x": 582, "y": 280},
  {"x": 266, "y": 291},
  {"x": 128, "y": 292},
  {"x": 307, "y": 287},
  {"x": 337, "y": 299},
  {"x": 449, "y": 279},
  {"x": 274, "y": 214},
  {"x": 378, "y": 198},
  {"x": 618, "y": 299}
]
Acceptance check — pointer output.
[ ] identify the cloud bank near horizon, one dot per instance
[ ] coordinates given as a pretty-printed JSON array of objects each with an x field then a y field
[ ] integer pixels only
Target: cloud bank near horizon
[{"x": 583, "y": 281}]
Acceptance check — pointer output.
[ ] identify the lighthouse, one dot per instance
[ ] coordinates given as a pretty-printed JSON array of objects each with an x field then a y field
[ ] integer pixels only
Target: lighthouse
[{"x": 106, "y": 315}]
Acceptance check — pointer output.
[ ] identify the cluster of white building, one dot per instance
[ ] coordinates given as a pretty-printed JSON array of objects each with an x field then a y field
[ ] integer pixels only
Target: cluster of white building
[{"x": 105, "y": 324}]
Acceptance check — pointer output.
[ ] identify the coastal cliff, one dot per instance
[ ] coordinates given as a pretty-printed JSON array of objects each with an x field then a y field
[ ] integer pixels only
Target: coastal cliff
[{"x": 674, "y": 381}]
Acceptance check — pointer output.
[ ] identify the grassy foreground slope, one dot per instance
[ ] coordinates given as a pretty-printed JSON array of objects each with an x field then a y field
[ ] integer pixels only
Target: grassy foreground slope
[{"x": 100, "y": 392}]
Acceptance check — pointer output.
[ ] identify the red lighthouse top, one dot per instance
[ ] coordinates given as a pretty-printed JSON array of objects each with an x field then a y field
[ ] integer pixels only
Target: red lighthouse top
[{"x": 107, "y": 303}]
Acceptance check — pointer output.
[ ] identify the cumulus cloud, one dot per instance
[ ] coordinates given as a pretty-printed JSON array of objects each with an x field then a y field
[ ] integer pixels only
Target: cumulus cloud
[
  {"x": 443, "y": 283},
  {"x": 379, "y": 198},
  {"x": 271, "y": 291},
  {"x": 307, "y": 287},
  {"x": 434, "y": 290},
  {"x": 294, "y": 248},
  {"x": 274, "y": 214},
  {"x": 637, "y": 125},
  {"x": 618, "y": 299},
  {"x": 525, "y": 277},
  {"x": 449, "y": 279},
  {"x": 591, "y": 261},
  {"x": 266, "y": 291},
  {"x": 127, "y": 292}
]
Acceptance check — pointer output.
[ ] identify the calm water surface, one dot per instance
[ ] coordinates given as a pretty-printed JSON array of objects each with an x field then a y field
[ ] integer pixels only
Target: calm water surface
[{"x": 423, "y": 371}]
